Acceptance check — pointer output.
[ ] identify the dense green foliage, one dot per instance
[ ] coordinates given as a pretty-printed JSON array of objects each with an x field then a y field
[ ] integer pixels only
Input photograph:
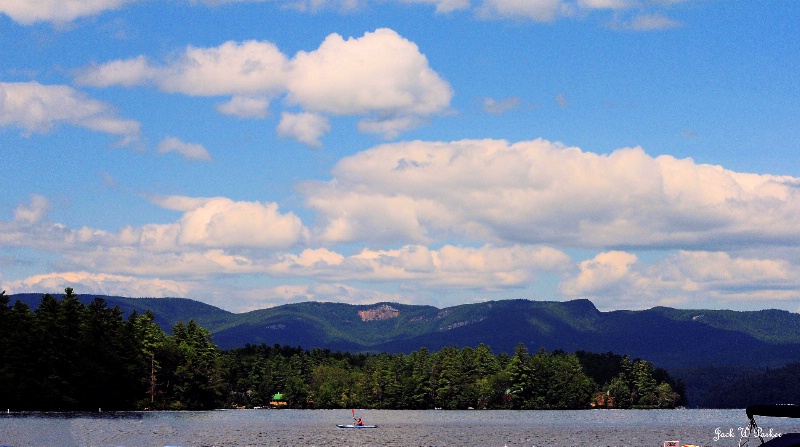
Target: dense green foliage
[
  {"x": 69, "y": 356},
  {"x": 632, "y": 383},
  {"x": 451, "y": 378}
]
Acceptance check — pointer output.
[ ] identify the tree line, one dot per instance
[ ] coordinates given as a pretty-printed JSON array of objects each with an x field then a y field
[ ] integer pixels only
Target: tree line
[{"x": 65, "y": 356}]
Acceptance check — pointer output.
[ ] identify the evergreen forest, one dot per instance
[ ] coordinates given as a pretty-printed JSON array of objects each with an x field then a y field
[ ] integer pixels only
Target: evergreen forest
[{"x": 67, "y": 356}]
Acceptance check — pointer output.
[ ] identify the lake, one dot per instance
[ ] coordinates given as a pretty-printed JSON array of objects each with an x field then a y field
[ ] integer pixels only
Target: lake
[{"x": 396, "y": 428}]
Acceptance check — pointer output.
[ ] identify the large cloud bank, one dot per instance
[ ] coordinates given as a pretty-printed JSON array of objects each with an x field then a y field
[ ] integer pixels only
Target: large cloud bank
[
  {"x": 432, "y": 218},
  {"x": 542, "y": 192}
]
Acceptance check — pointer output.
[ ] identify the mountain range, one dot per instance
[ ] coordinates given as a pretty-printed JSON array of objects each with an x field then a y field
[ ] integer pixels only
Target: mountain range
[{"x": 670, "y": 338}]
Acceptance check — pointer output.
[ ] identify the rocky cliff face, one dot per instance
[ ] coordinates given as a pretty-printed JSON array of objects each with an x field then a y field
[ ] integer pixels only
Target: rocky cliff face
[{"x": 382, "y": 312}]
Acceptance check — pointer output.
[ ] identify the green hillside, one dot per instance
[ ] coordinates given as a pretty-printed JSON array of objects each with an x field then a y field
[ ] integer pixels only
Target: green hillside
[{"x": 672, "y": 338}]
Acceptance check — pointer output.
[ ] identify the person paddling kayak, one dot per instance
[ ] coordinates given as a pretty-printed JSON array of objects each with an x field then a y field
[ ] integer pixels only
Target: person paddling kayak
[
  {"x": 357, "y": 419},
  {"x": 357, "y": 423}
]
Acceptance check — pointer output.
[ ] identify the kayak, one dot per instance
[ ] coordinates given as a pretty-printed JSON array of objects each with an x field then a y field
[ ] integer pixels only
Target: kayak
[{"x": 356, "y": 426}]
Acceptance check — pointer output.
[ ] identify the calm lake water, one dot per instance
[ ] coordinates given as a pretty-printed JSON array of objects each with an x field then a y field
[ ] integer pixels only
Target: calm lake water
[{"x": 396, "y": 428}]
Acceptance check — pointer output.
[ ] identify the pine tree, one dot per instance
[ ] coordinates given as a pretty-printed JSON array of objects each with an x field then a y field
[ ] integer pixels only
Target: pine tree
[{"x": 520, "y": 375}]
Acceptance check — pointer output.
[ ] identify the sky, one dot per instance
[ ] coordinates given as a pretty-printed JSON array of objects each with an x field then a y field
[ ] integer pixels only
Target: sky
[{"x": 254, "y": 153}]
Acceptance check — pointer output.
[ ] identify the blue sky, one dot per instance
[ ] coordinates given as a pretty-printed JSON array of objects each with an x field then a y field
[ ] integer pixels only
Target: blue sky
[{"x": 252, "y": 153}]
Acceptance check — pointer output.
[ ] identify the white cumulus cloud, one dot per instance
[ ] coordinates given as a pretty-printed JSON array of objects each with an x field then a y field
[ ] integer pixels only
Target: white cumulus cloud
[
  {"x": 190, "y": 151},
  {"x": 233, "y": 68},
  {"x": 380, "y": 72},
  {"x": 687, "y": 279},
  {"x": 58, "y": 11},
  {"x": 608, "y": 273},
  {"x": 380, "y": 76},
  {"x": 34, "y": 107},
  {"x": 222, "y": 222},
  {"x": 126, "y": 73},
  {"x": 245, "y": 107},
  {"x": 451, "y": 266},
  {"x": 144, "y": 262},
  {"x": 98, "y": 283},
  {"x": 537, "y": 10},
  {"x": 33, "y": 212},
  {"x": 606, "y": 4},
  {"x": 305, "y": 127},
  {"x": 649, "y": 15},
  {"x": 205, "y": 224},
  {"x": 443, "y": 6}
]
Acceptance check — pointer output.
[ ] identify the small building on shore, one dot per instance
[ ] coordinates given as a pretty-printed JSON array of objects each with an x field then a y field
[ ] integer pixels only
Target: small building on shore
[{"x": 277, "y": 400}]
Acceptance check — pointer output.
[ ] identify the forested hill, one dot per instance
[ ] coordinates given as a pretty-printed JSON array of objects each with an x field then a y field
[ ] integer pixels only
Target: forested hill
[
  {"x": 670, "y": 338},
  {"x": 168, "y": 311}
]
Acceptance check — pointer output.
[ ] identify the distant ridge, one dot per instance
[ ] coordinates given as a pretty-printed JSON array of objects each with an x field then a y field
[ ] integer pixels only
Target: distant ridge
[
  {"x": 168, "y": 311},
  {"x": 670, "y": 338}
]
